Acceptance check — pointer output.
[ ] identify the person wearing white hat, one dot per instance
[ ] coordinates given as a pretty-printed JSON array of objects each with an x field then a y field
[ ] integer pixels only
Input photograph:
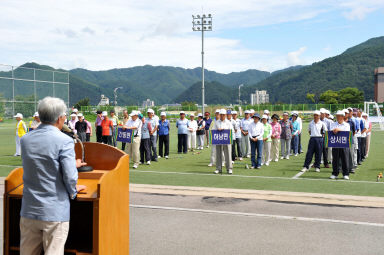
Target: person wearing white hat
[
  {"x": 244, "y": 127},
  {"x": 295, "y": 134},
  {"x": 21, "y": 130},
  {"x": 340, "y": 154},
  {"x": 223, "y": 124},
  {"x": 192, "y": 128},
  {"x": 133, "y": 148},
  {"x": 182, "y": 134},
  {"x": 300, "y": 121},
  {"x": 256, "y": 133},
  {"x": 153, "y": 125},
  {"x": 316, "y": 130},
  {"x": 327, "y": 122},
  {"x": 107, "y": 126},
  {"x": 200, "y": 133},
  {"x": 213, "y": 149},
  {"x": 267, "y": 112},
  {"x": 72, "y": 123},
  {"x": 35, "y": 122},
  {"x": 267, "y": 141},
  {"x": 363, "y": 136},
  {"x": 237, "y": 138},
  {"x": 163, "y": 129},
  {"x": 81, "y": 127}
]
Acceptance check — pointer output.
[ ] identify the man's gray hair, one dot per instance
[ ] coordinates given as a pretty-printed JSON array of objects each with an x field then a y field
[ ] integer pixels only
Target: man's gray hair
[{"x": 50, "y": 109}]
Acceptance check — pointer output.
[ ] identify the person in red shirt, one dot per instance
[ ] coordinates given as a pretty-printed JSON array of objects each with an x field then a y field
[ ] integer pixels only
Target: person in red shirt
[{"x": 107, "y": 126}]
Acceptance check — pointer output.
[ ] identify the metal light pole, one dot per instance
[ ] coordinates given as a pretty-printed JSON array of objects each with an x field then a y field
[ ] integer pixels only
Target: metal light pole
[
  {"x": 241, "y": 85},
  {"x": 115, "y": 94},
  {"x": 202, "y": 23}
]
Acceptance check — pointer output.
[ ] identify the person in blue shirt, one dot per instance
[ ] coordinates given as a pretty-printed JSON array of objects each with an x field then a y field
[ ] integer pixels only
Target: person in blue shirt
[
  {"x": 208, "y": 121},
  {"x": 182, "y": 134},
  {"x": 163, "y": 128},
  {"x": 145, "y": 143},
  {"x": 295, "y": 134},
  {"x": 50, "y": 181}
]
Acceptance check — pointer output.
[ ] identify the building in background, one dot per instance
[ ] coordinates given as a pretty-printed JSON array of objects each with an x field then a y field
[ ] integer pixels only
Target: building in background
[
  {"x": 148, "y": 103},
  {"x": 103, "y": 101},
  {"x": 259, "y": 97},
  {"x": 379, "y": 85}
]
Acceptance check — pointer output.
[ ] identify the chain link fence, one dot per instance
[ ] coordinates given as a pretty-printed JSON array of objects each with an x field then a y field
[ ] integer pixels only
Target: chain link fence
[{"x": 21, "y": 88}]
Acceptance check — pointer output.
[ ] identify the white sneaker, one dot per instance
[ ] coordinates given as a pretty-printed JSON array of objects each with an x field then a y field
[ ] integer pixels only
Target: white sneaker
[
  {"x": 216, "y": 171},
  {"x": 166, "y": 157},
  {"x": 134, "y": 166},
  {"x": 287, "y": 157},
  {"x": 317, "y": 170},
  {"x": 148, "y": 162},
  {"x": 282, "y": 158},
  {"x": 210, "y": 164},
  {"x": 304, "y": 169},
  {"x": 241, "y": 159},
  {"x": 262, "y": 164},
  {"x": 332, "y": 177},
  {"x": 230, "y": 171},
  {"x": 276, "y": 160},
  {"x": 207, "y": 146},
  {"x": 233, "y": 162},
  {"x": 222, "y": 164},
  {"x": 252, "y": 167},
  {"x": 158, "y": 156},
  {"x": 296, "y": 155},
  {"x": 248, "y": 156},
  {"x": 346, "y": 177},
  {"x": 258, "y": 167},
  {"x": 267, "y": 164}
]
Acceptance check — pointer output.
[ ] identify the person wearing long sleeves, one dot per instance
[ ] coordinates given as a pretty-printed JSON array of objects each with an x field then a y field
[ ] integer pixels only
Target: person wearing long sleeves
[
  {"x": 267, "y": 140},
  {"x": 368, "y": 125},
  {"x": 237, "y": 138},
  {"x": 325, "y": 146},
  {"x": 285, "y": 136},
  {"x": 340, "y": 155},
  {"x": 276, "y": 131},
  {"x": 200, "y": 133},
  {"x": 316, "y": 130},
  {"x": 223, "y": 124},
  {"x": 245, "y": 142},
  {"x": 213, "y": 148},
  {"x": 295, "y": 134},
  {"x": 192, "y": 128},
  {"x": 163, "y": 129},
  {"x": 182, "y": 134},
  {"x": 145, "y": 142},
  {"x": 153, "y": 122},
  {"x": 256, "y": 132}
]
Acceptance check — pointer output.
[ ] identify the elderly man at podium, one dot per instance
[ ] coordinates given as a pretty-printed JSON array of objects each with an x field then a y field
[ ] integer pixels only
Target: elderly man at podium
[{"x": 50, "y": 181}]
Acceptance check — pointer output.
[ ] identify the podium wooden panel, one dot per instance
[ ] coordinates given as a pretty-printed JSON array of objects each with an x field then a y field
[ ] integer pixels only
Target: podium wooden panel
[{"x": 99, "y": 222}]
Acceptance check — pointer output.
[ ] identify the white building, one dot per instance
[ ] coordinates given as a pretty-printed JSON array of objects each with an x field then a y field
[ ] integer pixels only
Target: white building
[
  {"x": 148, "y": 103},
  {"x": 103, "y": 101},
  {"x": 259, "y": 97}
]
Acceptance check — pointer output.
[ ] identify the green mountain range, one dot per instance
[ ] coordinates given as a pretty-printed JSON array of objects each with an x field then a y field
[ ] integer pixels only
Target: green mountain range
[{"x": 165, "y": 84}]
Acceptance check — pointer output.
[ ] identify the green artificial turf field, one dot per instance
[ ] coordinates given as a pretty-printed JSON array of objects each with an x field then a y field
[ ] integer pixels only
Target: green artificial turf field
[{"x": 191, "y": 170}]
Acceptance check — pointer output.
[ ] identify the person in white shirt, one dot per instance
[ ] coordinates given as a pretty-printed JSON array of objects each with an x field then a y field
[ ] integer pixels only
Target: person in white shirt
[
  {"x": 266, "y": 112},
  {"x": 340, "y": 154},
  {"x": 245, "y": 142},
  {"x": 133, "y": 149},
  {"x": 223, "y": 124},
  {"x": 316, "y": 130},
  {"x": 72, "y": 123},
  {"x": 325, "y": 147},
  {"x": 368, "y": 125},
  {"x": 237, "y": 137},
  {"x": 192, "y": 128},
  {"x": 213, "y": 148},
  {"x": 200, "y": 133},
  {"x": 363, "y": 136},
  {"x": 256, "y": 132}
]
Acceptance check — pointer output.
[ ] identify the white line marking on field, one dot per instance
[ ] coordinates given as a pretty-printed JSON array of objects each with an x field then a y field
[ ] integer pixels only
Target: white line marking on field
[
  {"x": 298, "y": 175},
  {"x": 252, "y": 176},
  {"x": 10, "y": 166},
  {"x": 273, "y": 216}
]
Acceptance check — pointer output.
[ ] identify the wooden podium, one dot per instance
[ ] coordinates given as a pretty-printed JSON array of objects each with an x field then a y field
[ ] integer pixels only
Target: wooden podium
[{"x": 99, "y": 221}]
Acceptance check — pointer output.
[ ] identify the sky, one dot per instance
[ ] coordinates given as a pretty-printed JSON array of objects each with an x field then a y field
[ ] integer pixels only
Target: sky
[{"x": 266, "y": 35}]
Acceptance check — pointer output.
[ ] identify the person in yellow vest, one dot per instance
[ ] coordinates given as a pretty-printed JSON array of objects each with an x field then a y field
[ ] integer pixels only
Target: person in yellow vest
[{"x": 21, "y": 130}]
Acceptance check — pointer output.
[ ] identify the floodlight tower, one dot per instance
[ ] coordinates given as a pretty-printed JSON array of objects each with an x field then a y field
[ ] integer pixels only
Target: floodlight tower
[
  {"x": 115, "y": 94},
  {"x": 202, "y": 23},
  {"x": 241, "y": 85}
]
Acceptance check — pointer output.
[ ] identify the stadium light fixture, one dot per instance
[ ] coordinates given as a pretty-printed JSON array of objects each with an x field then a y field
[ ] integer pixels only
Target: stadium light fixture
[{"x": 200, "y": 24}]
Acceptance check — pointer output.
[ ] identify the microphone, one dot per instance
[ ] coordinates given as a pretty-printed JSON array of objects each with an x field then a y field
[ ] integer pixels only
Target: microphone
[{"x": 82, "y": 168}]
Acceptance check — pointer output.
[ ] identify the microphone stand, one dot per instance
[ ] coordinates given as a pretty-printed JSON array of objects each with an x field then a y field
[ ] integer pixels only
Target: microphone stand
[{"x": 82, "y": 168}]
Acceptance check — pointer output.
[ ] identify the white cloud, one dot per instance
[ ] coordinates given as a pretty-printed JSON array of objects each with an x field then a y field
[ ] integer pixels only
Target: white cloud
[
  {"x": 293, "y": 58},
  {"x": 118, "y": 33},
  {"x": 359, "y": 9}
]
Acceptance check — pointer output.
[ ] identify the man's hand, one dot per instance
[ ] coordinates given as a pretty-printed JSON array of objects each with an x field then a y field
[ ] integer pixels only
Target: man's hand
[
  {"x": 80, "y": 188},
  {"x": 336, "y": 130},
  {"x": 79, "y": 163}
]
